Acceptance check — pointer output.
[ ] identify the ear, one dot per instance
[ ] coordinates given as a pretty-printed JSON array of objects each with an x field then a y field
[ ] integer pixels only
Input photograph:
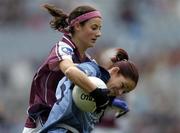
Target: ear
[
  {"x": 114, "y": 70},
  {"x": 77, "y": 26}
]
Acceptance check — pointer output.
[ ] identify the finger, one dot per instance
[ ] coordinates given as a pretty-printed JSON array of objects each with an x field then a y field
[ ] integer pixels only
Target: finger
[{"x": 119, "y": 114}]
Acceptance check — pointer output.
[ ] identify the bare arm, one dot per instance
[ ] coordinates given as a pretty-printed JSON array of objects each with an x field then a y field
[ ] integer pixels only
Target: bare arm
[
  {"x": 76, "y": 75},
  {"x": 81, "y": 79}
]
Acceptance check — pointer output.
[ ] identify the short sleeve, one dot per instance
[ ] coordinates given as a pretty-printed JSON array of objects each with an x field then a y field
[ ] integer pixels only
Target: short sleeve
[
  {"x": 58, "y": 53},
  {"x": 64, "y": 51}
]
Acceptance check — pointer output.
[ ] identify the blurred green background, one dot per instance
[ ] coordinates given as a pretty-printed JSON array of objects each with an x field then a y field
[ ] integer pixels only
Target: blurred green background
[{"x": 149, "y": 30}]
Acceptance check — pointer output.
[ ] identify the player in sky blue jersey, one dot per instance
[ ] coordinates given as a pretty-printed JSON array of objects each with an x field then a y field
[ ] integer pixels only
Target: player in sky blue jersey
[{"x": 122, "y": 77}]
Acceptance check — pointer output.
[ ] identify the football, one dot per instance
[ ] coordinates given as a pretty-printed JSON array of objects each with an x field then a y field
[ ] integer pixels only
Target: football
[{"x": 82, "y": 99}]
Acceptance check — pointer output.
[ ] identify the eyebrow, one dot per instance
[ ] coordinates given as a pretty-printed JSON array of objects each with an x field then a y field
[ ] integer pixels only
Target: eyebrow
[{"x": 96, "y": 25}]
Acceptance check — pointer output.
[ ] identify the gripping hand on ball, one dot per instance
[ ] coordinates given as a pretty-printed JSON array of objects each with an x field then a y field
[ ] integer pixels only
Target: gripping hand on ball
[
  {"x": 120, "y": 106},
  {"x": 101, "y": 98}
]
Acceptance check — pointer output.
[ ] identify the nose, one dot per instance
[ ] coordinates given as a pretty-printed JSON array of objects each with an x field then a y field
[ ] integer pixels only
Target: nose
[{"x": 98, "y": 33}]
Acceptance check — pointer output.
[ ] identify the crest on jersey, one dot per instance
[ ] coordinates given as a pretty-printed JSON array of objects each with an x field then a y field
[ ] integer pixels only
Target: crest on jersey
[{"x": 67, "y": 50}]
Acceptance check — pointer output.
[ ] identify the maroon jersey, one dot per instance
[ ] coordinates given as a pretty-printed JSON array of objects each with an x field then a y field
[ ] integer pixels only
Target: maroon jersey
[{"x": 45, "y": 81}]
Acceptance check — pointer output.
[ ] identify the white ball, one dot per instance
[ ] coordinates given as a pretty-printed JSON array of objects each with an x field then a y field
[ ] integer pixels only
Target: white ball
[{"x": 82, "y": 99}]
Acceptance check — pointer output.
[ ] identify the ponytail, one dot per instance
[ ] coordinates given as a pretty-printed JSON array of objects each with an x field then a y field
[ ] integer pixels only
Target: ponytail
[
  {"x": 59, "y": 21},
  {"x": 121, "y": 54}
]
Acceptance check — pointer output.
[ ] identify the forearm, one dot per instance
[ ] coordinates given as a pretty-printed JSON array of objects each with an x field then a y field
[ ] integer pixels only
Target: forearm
[
  {"x": 77, "y": 76},
  {"x": 80, "y": 79}
]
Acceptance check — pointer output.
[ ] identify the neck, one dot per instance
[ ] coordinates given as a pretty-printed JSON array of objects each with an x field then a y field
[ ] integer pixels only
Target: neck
[{"x": 80, "y": 47}]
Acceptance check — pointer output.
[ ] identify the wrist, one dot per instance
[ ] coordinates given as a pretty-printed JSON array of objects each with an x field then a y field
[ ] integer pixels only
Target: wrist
[
  {"x": 100, "y": 94},
  {"x": 95, "y": 93}
]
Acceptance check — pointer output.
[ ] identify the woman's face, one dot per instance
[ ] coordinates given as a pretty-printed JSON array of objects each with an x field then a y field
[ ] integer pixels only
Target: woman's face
[
  {"x": 89, "y": 32},
  {"x": 119, "y": 85}
]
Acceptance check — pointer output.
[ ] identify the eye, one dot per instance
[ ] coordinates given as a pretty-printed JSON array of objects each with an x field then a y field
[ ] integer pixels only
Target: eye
[
  {"x": 124, "y": 92},
  {"x": 96, "y": 27}
]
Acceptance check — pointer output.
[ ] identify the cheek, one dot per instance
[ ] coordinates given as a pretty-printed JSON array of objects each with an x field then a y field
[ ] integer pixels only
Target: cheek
[
  {"x": 84, "y": 36},
  {"x": 89, "y": 34},
  {"x": 115, "y": 84}
]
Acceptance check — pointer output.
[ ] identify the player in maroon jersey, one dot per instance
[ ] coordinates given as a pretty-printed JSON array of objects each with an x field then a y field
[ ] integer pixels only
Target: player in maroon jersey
[{"x": 81, "y": 29}]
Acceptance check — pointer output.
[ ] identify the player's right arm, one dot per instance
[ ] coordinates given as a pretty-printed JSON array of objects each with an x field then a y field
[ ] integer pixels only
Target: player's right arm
[
  {"x": 61, "y": 58},
  {"x": 77, "y": 76}
]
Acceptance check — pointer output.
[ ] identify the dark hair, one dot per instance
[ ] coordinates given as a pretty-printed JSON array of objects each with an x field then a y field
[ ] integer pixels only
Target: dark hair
[
  {"x": 121, "y": 54},
  {"x": 61, "y": 20},
  {"x": 127, "y": 68}
]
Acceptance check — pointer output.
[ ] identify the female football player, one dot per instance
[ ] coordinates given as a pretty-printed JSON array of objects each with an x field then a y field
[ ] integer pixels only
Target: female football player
[{"x": 66, "y": 117}]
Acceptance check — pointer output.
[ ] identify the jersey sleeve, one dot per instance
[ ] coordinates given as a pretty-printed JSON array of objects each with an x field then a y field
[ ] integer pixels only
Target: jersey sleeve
[
  {"x": 60, "y": 52},
  {"x": 64, "y": 51}
]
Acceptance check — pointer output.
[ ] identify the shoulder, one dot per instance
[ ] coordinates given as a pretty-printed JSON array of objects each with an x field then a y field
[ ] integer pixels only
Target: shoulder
[
  {"x": 95, "y": 70},
  {"x": 90, "y": 68},
  {"x": 61, "y": 43},
  {"x": 64, "y": 48},
  {"x": 90, "y": 64}
]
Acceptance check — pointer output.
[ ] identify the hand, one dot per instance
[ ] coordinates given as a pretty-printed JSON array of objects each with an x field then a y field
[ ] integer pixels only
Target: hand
[
  {"x": 101, "y": 98},
  {"x": 120, "y": 106}
]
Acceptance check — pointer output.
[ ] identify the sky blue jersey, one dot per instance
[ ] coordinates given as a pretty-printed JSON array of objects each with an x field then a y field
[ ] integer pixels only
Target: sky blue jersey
[{"x": 65, "y": 111}]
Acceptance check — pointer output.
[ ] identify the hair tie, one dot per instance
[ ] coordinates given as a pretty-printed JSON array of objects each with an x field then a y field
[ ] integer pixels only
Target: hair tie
[
  {"x": 121, "y": 57},
  {"x": 65, "y": 27},
  {"x": 65, "y": 31}
]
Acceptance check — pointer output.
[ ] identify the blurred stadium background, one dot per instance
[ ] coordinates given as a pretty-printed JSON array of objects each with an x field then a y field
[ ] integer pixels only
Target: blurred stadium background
[{"x": 148, "y": 29}]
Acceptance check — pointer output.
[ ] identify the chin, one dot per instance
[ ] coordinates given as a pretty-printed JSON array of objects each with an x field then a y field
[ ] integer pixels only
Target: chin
[{"x": 91, "y": 45}]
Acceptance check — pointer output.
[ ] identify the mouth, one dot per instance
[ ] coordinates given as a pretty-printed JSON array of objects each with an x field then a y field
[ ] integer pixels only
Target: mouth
[{"x": 94, "y": 40}]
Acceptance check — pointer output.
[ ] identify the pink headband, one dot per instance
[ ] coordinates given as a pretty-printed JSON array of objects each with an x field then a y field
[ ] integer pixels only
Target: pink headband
[{"x": 85, "y": 16}]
